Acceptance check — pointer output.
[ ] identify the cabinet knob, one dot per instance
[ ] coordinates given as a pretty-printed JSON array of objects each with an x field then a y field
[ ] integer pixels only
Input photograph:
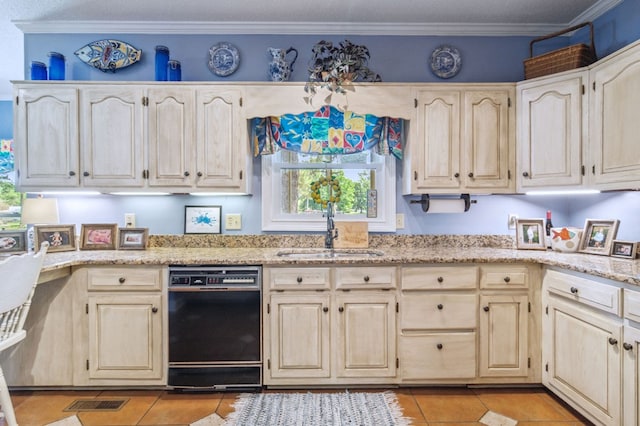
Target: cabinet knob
[
  {"x": 72, "y": 173},
  {"x": 439, "y": 346},
  {"x": 341, "y": 309},
  {"x": 85, "y": 174},
  {"x": 507, "y": 279},
  {"x": 456, "y": 175},
  {"x": 525, "y": 174},
  {"x": 325, "y": 309},
  {"x": 440, "y": 306},
  {"x": 299, "y": 280},
  {"x": 154, "y": 310},
  {"x": 613, "y": 341},
  {"x": 121, "y": 280},
  {"x": 486, "y": 309},
  {"x": 366, "y": 278},
  {"x": 440, "y": 279},
  {"x": 574, "y": 290},
  {"x": 199, "y": 174},
  {"x": 627, "y": 346},
  {"x": 186, "y": 174},
  {"x": 470, "y": 175}
]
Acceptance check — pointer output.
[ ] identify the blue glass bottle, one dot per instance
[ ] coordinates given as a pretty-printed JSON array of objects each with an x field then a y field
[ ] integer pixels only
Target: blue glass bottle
[
  {"x": 38, "y": 70},
  {"x": 56, "y": 66},
  {"x": 175, "y": 70},
  {"x": 162, "y": 58}
]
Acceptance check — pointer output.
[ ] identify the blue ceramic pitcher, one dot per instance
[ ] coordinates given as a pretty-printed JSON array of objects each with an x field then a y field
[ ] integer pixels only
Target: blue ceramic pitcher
[{"x": 279, "y": 68}]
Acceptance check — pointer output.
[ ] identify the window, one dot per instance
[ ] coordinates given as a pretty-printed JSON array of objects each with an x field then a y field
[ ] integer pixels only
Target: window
[{"x": 365, "y": 190}]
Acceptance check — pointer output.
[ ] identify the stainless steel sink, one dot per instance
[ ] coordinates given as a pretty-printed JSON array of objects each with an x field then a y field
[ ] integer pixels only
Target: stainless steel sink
[{"x": 329, "y": 253}]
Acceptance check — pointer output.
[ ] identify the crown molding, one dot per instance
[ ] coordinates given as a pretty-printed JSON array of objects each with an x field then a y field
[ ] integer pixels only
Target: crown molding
[
  {"x": 298, "y": 28},
  {"x": 598, "y": 9}
]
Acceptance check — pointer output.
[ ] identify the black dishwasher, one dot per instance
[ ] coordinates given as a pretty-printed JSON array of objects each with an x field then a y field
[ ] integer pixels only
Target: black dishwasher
[{"x": 215, "y": 327}]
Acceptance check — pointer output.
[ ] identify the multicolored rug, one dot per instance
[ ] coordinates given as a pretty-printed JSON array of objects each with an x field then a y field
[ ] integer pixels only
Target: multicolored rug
[{"x": 317, "y": 409}]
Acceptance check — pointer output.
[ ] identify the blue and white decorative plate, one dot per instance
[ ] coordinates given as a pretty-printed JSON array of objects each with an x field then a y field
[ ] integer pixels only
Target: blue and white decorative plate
[
  {"x": 445, "y": 61},
  {"x": 224, "y": 59}
]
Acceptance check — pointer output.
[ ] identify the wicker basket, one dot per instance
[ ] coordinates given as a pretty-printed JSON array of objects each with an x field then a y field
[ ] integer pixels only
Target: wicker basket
[{"x": 564, "y": 59}]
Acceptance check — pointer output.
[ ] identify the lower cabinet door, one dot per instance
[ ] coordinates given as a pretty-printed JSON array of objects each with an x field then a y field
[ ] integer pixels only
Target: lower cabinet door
[
  {"x": 125, "y": 337},
  {"x": 438, "y": 356},
  {"x": 631, "y": 377}
]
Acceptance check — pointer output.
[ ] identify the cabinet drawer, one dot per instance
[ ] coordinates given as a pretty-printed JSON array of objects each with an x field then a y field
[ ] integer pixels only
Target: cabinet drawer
[
  {"x": 298, "y": 278},
  {"x": 427, "y": 310},
  {"x": 365, "y": 277},
  {"x": 438, "y": 356},
  {"x": 439, "y": 278},
  {"x": 504, "y": 277},
  {"x": 588, "y": 292},
  {"x": 124, "y": 278},
  {"x": 632, "y": 305}
]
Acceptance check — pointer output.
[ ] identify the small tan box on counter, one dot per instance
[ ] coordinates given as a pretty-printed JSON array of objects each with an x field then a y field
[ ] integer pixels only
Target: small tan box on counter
[{"x": 352, "y": 235}]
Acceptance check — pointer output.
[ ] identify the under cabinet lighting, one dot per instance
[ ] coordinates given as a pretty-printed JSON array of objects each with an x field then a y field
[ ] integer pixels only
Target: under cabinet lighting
[
  {"x": 72, "y": 193},
  {"x": 565, "y": 192},
  {"x": 139, "y": 193},
  {"x": 216, "y": 194}
]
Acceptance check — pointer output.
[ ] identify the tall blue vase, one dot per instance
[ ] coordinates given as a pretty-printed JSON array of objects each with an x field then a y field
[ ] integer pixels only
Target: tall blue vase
[
  {"x": 38, "y": 70},
  {"x": 56, "y": 66},
  {"x": 175, "y": 70},
  {"x": 162, "y": 58}
]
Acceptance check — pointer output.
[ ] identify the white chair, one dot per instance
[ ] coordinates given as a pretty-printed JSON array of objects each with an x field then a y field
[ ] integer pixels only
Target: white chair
[{"x": 18, "y": 277}]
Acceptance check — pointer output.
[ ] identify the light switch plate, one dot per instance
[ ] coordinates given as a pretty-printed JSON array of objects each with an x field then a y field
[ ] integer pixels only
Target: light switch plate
[
  {"x": 233, "y": 221},
  {"x": 129, "y": 220}
]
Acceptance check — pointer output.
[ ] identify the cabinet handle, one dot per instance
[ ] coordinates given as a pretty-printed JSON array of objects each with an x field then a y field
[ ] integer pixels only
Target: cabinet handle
[
  {"x": 486, "y": 309},
  {"x": 507, "y": 279},
  {"x": 525, "y": 174},
  {"x": 85, "y": 174},
  {"x": 325, "y": 309},
  {"x": 613, "y": 341},
  {"x": 72, "y": 173},
  {"x": 199, "y": 174},
  {"x": 121, "y": 280},
  {"x": 415, "y": 175},
  {"x": 186, "y": 174},
  {"x": 299, "y": 280},
  {"x": 154, "y": 310},
  {"x": 341, "y": 309},
  {"x": 574, "y": 290},
  {"x": 440, "y": 279},
  {"x": 627, "y": 346},
  {"x": 440, "y": 306},
  {"x": 439, "y": 346},
  {"x": 456, "y": 175},
  {"x": 470, "y": 175},
  {"x": 366, "y": 278}
]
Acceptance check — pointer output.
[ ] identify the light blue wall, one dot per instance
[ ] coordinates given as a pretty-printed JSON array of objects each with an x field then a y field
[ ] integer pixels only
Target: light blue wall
[
  {"x": 6, "y": 119},
  {"x": 397, "y": 59}
]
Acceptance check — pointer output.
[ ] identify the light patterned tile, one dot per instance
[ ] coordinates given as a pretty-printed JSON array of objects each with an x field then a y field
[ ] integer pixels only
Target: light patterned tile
[
  {"x": 42, "y": 408},
  {"x": 450, "y": 408},
  {"x": 521, "y": 405},
  {"x": 181, "y": 408}
]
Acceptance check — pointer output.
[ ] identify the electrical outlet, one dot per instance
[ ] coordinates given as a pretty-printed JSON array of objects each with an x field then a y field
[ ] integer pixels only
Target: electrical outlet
[
  {"x": 129, "y": 220},
  {"x": 399, "y": 221},
  {"x": 511, "y": 221},
  {"x": 233, "y": 221}
]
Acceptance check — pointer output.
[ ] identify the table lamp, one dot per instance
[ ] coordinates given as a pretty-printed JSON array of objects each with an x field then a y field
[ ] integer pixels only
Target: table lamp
[{"x": 38, "y": 211}]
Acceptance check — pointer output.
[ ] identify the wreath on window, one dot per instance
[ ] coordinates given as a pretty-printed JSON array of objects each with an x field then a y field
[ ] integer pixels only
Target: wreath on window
[{"x": 334, "y": 190}]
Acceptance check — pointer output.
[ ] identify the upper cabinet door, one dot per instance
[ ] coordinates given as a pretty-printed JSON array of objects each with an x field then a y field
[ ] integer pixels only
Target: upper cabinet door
[
  {"x": 46, "y": 135},
  {"x": 552, "y": 118},
  {"x": 488, "y": 139},
  {"x": 614, "y": 121},
  {"x": 171, "y": 130},
  {"x": 112, "y": 136},
  {"x": 222, "y": 140},
  {"x": 436, "y": 161}
]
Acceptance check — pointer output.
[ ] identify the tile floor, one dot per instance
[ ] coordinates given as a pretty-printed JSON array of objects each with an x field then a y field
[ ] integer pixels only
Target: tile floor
[{"x": 424, "y": 406}]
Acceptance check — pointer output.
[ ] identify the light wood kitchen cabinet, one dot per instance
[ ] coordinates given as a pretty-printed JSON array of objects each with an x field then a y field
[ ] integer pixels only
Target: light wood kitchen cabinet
[
  {"x": 552, "y": 131},
  {"x": 111, "y": 127},
  {"x": 46, "y": 134},
  {"x": 614, "y": 121},
  {"x": 464, "y": 140},
  {"x": 582, "y": 344},
  {"x": 121, "y": 324},
  {"x": 631, "y": 358}
]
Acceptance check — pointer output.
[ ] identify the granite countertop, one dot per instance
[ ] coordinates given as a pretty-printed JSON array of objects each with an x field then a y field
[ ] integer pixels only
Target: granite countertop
[{"x": 624, "y": 270}]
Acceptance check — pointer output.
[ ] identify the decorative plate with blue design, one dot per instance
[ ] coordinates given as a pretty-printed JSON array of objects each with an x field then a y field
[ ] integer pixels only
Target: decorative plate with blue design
[
  {"x": 224, "y": 59},
  {"x": 445, "y": 61}
]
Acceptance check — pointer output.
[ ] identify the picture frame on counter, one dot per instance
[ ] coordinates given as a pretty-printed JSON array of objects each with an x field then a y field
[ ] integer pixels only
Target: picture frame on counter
[
  {"x": 98, "y": 236},
  {"x": 624, "y": 249},
  {"x": 202, "y": 219},
  {"x": 133, "y": 238},
  {"x": 59, "y": 237},
  {"x": 598, "y": 236},
  {"x": 530, "y": 234},
  {"x": 13, "y": 242}
]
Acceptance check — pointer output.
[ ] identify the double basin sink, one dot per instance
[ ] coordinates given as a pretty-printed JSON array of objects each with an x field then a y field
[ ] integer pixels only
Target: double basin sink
[{"x": 311, "y": 253}]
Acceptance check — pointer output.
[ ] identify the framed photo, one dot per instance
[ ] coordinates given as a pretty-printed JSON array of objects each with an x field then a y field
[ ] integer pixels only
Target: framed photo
[
  {"x": 60, "y": 237},
  {"x": 132, "y": 238},
  {"x": 626, "y": 249},
  {"x": 13, "y": 242},
  {"x": 98, "y": 236},
  {"x": 598, "y": 235},
  {"x": 530, "y": 234},
  {"x": 202, "y": 219}
]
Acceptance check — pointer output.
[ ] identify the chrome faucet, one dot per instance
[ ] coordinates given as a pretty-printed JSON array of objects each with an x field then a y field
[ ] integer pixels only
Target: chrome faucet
[{"x": 332, "y": 232}]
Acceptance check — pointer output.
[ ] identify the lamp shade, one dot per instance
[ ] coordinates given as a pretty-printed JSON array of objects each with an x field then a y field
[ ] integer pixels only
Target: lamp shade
[{"x": 40, "y": 211}]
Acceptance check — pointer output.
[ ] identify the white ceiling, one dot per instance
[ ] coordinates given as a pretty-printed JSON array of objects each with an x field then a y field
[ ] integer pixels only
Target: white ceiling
[{"x": 344, "y": 17}]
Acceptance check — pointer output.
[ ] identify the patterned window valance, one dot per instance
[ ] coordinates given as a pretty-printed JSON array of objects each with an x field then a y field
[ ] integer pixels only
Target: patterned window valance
[{"x": 327, "y": 131}]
